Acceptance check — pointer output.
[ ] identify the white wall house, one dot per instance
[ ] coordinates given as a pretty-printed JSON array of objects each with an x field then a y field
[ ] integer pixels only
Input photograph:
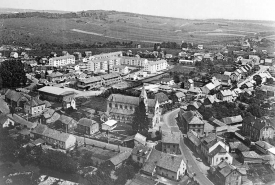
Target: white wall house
[{"x": 62, "y": 60}]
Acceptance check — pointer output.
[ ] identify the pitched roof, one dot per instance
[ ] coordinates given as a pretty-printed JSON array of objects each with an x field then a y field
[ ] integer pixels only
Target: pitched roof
[
  {"x": 171, "y": 137},
  {"x": 180, "y": 94},
  {"x": 191, "y": 118},
  {"x": 119, "y": 158},
  {"x": 13, "y": 95},
  {"x": 216, "y": 121},
  {"x": 193, "y": 138},
  {"x": 161, "y": 97},
  {"x": 218, "y": 149},
  {"x": 234, "y": 145},
  {"x": 118, "y": 98},
  {"x": 226, "y": 92},
  {"x": 35, "y": 101},
  {"x": 263, "y": 144},
  {"x": 40, "y": 129},
  {"x": 3, "y": 118},
  {"x": 86, "y": 122},
  {"x": 211, "y": 137},
  {"x": 140, "y": 138},
  {"x": 150, "y": 164},
  {"x": 55, "y": 74},
  {"x": 233, "y": 119},
  {"x": 242, "y": 147},
  {"x": 170, "y": 162},
  {"x": 225, "y": 169},
  {"x": 196, "y": 104},
  {"x": 141, "y": 150},
  {"x": 66, "y": 119},
  {"x": 210, "y": 86},
  {"x": 19, "y": 120},
  {"x": 251, "y": 154}
]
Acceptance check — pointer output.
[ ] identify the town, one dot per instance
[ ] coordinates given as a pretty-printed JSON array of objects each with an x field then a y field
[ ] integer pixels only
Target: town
[{"x": 201, "y": 115}]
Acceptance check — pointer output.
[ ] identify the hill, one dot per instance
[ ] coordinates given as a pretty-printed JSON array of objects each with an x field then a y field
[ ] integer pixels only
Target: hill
[
  {"x": 16, "y": 10},
  {"x": 87, "y": 27}
]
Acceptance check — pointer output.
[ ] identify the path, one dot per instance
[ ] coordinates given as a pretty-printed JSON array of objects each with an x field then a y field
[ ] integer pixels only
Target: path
[{"x": 170, "y": 120}]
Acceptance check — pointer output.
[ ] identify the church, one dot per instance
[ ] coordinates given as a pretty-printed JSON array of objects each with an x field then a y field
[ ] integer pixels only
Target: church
[{"x": 122, "y": 108}]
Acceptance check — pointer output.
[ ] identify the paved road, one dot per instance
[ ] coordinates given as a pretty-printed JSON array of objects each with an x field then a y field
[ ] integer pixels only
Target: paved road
[
  {"x": 192, "y": 166},
  {"x": 170, "y": 120},
  {"x": 262, "y": 69}
]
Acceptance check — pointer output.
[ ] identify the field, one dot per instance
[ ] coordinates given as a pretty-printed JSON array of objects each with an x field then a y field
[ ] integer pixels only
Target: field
[{"x": 124, "y": 27}]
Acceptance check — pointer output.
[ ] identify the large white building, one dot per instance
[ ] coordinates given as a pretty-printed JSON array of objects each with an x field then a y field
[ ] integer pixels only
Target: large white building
[
  {"x": 106, "y": 55},
  {"x": 62, "y": 60},
  {"x": 155, "y": 66},
  {"x": 103, "y": 64},
  {"x": 133, "y": 61}
]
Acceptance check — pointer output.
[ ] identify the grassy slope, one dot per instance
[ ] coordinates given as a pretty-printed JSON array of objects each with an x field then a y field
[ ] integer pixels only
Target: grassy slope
[{"x": 125, "y": 26}]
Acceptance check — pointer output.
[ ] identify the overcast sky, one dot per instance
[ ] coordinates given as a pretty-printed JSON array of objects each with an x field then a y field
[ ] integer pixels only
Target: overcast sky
[{"x": 192, "y": 9}]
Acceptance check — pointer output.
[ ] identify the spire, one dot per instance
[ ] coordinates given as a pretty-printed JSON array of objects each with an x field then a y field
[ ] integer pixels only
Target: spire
[{"x": 143, "y": 94}]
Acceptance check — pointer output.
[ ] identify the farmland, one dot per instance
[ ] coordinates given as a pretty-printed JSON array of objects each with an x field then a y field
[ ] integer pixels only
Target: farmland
[{"x": 124, "y": 27}]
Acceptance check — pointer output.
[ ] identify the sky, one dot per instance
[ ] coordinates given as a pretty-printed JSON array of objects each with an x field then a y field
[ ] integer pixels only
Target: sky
[{"x": 189, "y": 9}]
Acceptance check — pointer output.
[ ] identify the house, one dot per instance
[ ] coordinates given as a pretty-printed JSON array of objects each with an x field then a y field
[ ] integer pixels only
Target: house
[
  {"x": 155, "y": 66},
  {"x": 200, "y": 46},
  {"x": 109, "y": 125},
  {"x": 193, "y": 141},
  {"x": 49, "y": 116},
  {"x": 263, "y": 146},
  {"x": 65, "y": 122},
  {"x": 223, "y": 79},
  {"x": 165, "y": 88},
  {"x": 194, "y": 106},
  {"x": 234, "y": 120},
  {"x": 139, "y": 139},
  {"x": 266, "y": 90},
  {"x": 62, "y": 60},
  {"x": 227, "y": 174},
  {"x": 90, "y": 83},
  {"x": 87, "y": 126},
  {"x": 167, "y": 81},
  {"x": 140, "y": 154},
  {"x": 53, "y": 137},
  {"x": 233, "y": 146},
  {"x": 218, "y": 155},
  {"x": 207, "y": 88},
  {"x": 186, "y": 61},
  {"x": 170, "y": 142},
  {"x": 180, "y": 96},
  {"x": 268, "y": 61},
  {"x": 35, "y": 106},
  {"x": 170, "y": 166},
  {"x": 14, "y": 54},
  {"x": 111, "y": 79},
  {"x": 235, "y": 76},
  {"x": 149, "y": 167},
  {"x": 258, "y": 129},
  {"x": 116, "y": 161},
  {"x": 225, "y": 95},
  {"x": 55, "y": 77},
  {"x": 215, "y": 122},
  {"x": 219, "y": 56},
  {"x": 133, "y": 61},
  {"x": 15, "y": 119},
  {"x": 191, "y": 120},
  {"x": 68, "y": 102},
  {"x": 120, "y": 69},
  {"x": 16, "y": 99},
  {"x": 250, "y": 157},
  {"x": 162, "y": 98},
  {"x": 4, "y": 121}
]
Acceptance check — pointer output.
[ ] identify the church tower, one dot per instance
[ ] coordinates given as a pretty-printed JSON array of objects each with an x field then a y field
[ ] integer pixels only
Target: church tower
[{"x": 143, "y": 96}]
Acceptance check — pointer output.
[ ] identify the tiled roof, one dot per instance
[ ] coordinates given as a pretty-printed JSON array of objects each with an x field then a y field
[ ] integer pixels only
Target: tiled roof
[
  {"x": 53, "y": 118},
  {"x": 40, "y": 129},
  {"x": 86, "y": 122},
  {"x": 191, "y": 118},
  {"x": 226, "y": 92},
  {"x": 161, "y": 97},
  {"x": 111, "y": 75},
  {"x": 66, "y": 120},
  {"x": 233, "y": 119},
  {"x": 234, "y": 145},
  {"x": 210, "y": 86},
  {"x": 91, "y": 79},
  {"x": 196, "y": 104},
  {"x": 141, "y": 150},
  {"x": 140, "y": 138},
  {"x": 16, "y": 118},
  {"x": 151, "y": 102},
  {"x": 263, "y": 144},
  {"x": 118, "y": 98},
  {"x": 35, "y": 102},
  {"x": 254, "y": 121},
  {"x": 150, "y": 164},
  {"x": 216, "y": 121},
  {"x": 193, "y": 138},
  {"x": 251, "y": 154},
  {"x": 121, "y": 111},
  {"x": 225, "y": 169},
  {"x": 218, "y": 149},
  {"x": 13, "y": 95},
  {"x": 48, "y": 113},
  {"x": 242, "y": 147},
  {"x": 171, "y": 137},
  {"x": 3, "y": 118},
  {"x": 169, "y": 162},
  {"x": 119, "y": 158},
  {"x": 211, "y": 137}
]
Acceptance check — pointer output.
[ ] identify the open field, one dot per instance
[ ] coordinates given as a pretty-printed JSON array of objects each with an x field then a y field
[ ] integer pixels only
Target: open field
[{"x": 123, "y": 27}]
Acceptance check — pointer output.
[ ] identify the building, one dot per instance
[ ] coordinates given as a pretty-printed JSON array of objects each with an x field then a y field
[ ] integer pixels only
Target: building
[
  {"x": 56, "y": 138},
  {"x": 139, "y": 139},
  {"x": 15, "y": 120},
  {"x": 191, "y": 120},
  {"x": 122, "y": 108},
  {"x": 116, "y": 161},
  {"x": 103, "y": 64},
  {"x": 200, "y": 46},
  {"x": 162, "y": 98},
  {"x": 170, "y": 166},
  {"x": 225, "y": 95},
  {"x": 87, "y": 126},
  {"x": 250, "y": 157},
  {"x": 94, "y": 82},
  {"x": 111, "y": 79},
  {"x": 187, "y": 62},
  {"x": 133, "y": 61},
  {"x": 120, "y": 69},
  {"x": 62, "y": 60},
  {"x": 16, "y": 99},
  {"x": 227, "y": 174},
  {"x": 263, "y": 146},
  {"x": 109, "y": 125},
  {"x": 170, "y": 142},
  {"x": 234, "y": 120},
  {"x": 106, "y": 55},
  {"x": 14, "y": 54},
  {"x": 258, "y": 129},
  {"x": 140, "y": 154},
  {"x": 65, "y": 122},
  {"x": 54, "y": 93},
  {"x": 218, "y": 155},
  {"x": 55, "y": 77},
  {"x": 193, "y": 141},
  {"x": 180, "y": 96},
  {"x": 235, "y": 76},
  {"x": 35, "y": 106},
  {"x": 207, "y": 88},
  {"x": 224, "y": 79},
  {"x": 69, "y": 102},
  {"x": 155, "y": 66}
]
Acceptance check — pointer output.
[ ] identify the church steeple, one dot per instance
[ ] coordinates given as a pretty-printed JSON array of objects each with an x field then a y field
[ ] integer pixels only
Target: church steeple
[{"x": 143, "y": 96}]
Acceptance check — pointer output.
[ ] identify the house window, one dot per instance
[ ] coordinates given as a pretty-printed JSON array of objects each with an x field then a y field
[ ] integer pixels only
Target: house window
[
  {"x": 120, "y": 106},
  {"x": 110, "y": 105}
]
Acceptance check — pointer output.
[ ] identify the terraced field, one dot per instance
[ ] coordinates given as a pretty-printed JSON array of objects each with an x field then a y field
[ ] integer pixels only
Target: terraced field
[{"x": 127, "y": 27}]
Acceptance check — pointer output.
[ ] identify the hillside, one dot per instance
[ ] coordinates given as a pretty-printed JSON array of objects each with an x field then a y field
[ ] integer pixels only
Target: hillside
[
  {"x": 15, "y": 10},
  {"x": 102, "y": 26}
]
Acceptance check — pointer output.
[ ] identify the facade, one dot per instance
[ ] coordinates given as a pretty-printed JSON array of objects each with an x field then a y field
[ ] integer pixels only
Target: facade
[
  {"x": 16, "y": 99},
  {"x": 87, "y": 126},
  {"x": 191, "y": 120},
  {"x": 103, "y": 64},
  {"x": 258, "y": 129},
  {"x": 226, "y": 174},
  {"x": 62, "y": 60},
  {"x": 140, "y": 154},
  {"x": 94, "y": 82},
  {"x": 250, "y": 157},
  {"x": 133, "y": 61},
  {"x": 110, "y": 79},
  {"x": 225, "y": 95},
  {"x": 120, "y": 69},
  {"x": 106, "y": 55},
  {"x": 55, "y": 77},
  {"x": 56, "y": 138},
  {"x": 170, "y": 142},
  {"x": 35, "y": 106},
  {"x": 54, "y": 93},
  {"x": 69, "y": 102},
  {"x": 218, "y": 155},
  {"x": 65, "y": 122},
  {"x": 171, "y": 167},
  {"x": 193, "y": 141},
  {"x": 155, "y": 66}
]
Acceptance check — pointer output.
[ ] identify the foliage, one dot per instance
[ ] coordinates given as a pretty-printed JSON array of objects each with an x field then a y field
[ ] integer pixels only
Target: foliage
[
  {"x": 102, "y": 176},
  {"x": 12, "y": 73},
  {"x": 255, "y": 110},
  {"x": 176, "y": 78},
  {"x": 8, "y": 146},
  {"x": 140, "y": 121}
]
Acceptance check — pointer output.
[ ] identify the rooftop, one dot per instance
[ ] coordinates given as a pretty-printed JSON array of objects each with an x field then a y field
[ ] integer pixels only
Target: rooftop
[
  {"x": 86, "y": 122},
  {"x": 232, "y": 120},
  {"x": 170, "y": 162},
  {"x": 171, "y": 137},
  {"x": 55, "y": 90}
]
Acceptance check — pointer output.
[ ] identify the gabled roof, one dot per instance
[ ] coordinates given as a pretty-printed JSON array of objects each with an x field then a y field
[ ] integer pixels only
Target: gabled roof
[
  {"x": 251, "y": 154},
  {"x": 180, "y": 94},
  {"x": 196, "y": 104},
  {"x": 86, "y": 122},
  {"x": 232, "y": 120},
  {"x": 225, "y": 169},
  {"x": 171, "y": 137},
  {"x": 242, "y": 147},
  {"x": 140, "y": 138},
  {"x": 19, "y": 120},
  {"x": 55, "y": 74},
  {"x": 161, "y": 97},
  {"x": 170, "y": 162},
  {"x": 141, "y": 150},
  {"x": 118, "y": 98},
  {"x": 191, "y": 118},
  {"x": 191, "y": 136},
  {"x": 13, "y": 95},
  {"x": 216, "y": 121},
  {"x": 3, "y": 118},
  {"x": 150, "y": 164},
  {"x": 66, "y": 119},
  {"x": 91, "y": 79},
  {"x": 263, "y": 144},
  {"x": 218, "y": 149},
  {"x": 119, "y": 158}
]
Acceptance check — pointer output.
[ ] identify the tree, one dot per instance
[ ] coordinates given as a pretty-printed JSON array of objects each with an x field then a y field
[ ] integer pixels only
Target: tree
[
  {"x": 12, "y": 73},
  {"x": 176, "y": 78},
  {"x": 258, "y": 79},
  {"x": 255, "y": 110},
  {"x": 140, "y": 120}
]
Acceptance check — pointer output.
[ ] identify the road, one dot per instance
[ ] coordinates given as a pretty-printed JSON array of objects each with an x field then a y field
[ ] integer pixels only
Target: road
[
  {"x": 169, "y": 119},
  {"x": 262, "y": 69}
]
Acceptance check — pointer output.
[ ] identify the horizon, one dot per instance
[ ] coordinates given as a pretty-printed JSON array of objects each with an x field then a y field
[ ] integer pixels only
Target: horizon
[{"x": 204, "y": 9}]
